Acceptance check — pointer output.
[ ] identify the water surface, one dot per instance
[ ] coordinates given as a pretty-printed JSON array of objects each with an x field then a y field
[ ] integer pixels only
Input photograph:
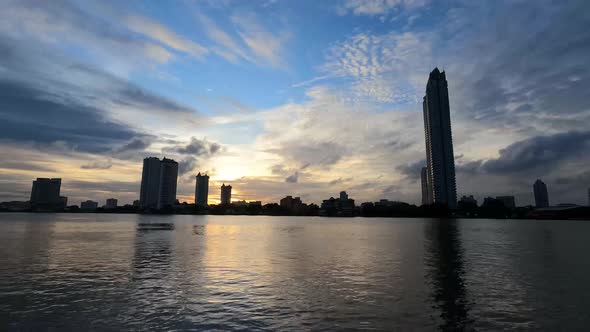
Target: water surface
[{"x": 111, "y": 272}]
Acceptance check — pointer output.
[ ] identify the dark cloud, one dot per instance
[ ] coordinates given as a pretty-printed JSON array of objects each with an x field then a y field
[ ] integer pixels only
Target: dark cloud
[
  {"x": 412, "y": 170},
  {"x": 293, "y": 178},
  {"x": 187, "y": 165},
  {"x": 135, "y": 145},
  {"x": 196, "y": 147},
  {"x": 540, "y": 152},
  {"x": 31, "y": 115},
  {"x": 523, "y": 79}
]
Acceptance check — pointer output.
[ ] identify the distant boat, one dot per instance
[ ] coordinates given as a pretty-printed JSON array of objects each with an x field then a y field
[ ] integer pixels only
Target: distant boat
[{"x": 144, "y": 226}]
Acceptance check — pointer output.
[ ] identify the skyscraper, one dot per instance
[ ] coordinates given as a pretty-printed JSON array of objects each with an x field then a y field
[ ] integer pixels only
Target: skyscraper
[
  {"x": 45, "y": 193},
  {"x": 150, "y": 183},
  {"x": 225, "y": 194},
  {"x": 439, "y": 141},
  {"x": 111, "y": 203},
  {"x": 201, "y": 189},
  {"x": 168, "y": 181},
  {"x": 541, "y": 194},
  {"x": 158, "y": 183},
  {"x": 426, "y": 194}
]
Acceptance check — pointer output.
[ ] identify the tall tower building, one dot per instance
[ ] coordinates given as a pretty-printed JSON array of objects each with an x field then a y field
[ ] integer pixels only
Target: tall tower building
[
  {"x": 426, "y": 194},
  {"x": 439, "y": 141},
  {"x": 45, "y": 193},
  {"x": 150, "y": 183},
  {"x": 168, "y": 181},
  {"x": 541, "y": 194},
  {"x": 225, "y": 194},
  {"x": 158, "y": 183},
  {"x": 201, "y": 189}
]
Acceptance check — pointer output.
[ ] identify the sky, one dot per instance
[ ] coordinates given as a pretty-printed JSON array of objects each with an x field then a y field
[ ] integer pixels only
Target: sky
[{"x": 302, "y": 98}]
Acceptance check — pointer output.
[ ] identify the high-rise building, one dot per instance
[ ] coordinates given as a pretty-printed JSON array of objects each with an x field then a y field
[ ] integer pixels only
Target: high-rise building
[
  {"x": 541, "y": 194},
  {"x": 426, "y": 194},
  {"x": 150, "y": 183},
  {"x": 89, "y": 205},
  {"x": 111, "y": 203},
  {"x": 291, "y": 203},
  {"x": 158, "y": 183},
  {"x": 201, "y": 189},
  {"x": 45, "y": 193},
  {"x": 508, "y": 201},
  {"x": 343, "y": 195},
  {"x": 439, "y": 141},
  {"x": 168, "y": 181},
  {"x": 225, "y": 194}
]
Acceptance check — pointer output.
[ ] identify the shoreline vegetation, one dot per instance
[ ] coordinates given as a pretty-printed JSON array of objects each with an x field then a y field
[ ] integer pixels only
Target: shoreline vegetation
[{"x": 402, "y": 210}]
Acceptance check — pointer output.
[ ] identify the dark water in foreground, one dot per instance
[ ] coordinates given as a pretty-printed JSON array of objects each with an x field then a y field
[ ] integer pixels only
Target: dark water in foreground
[{"x": 103, "y": 272}]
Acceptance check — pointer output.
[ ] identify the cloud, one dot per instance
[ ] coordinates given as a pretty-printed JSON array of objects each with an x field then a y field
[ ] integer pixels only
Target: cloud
[
  {"x": 134, "y": 145},
  {"x": 31, "y": 115},
  {"x": 64, "y": 21},
  {"x": 412, "y": 170},
  {"x": 228, "y": 47},
  {"x": 98, "y": 164},
  {"x": 262, "y": 43},
  {"x": 383, "y": 68},
  {"x": 187, "y": 165},
  {"x": 162, "y": 34},
  {"x": 540, "y": 152},
  {"x": 196, "y": 147},
  {"x": 377, "y": 7},
  {"x": 292, "y": 178},
  {"x": 25, "y": 166}
]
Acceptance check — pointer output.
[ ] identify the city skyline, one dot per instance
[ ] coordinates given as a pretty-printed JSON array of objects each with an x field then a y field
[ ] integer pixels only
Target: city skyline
[{"x": 244, "y": 92}]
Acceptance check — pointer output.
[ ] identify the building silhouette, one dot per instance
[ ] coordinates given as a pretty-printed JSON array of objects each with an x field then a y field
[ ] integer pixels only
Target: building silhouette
[
  {"x": 439, "y": 141},
  {"x": 291, "y": 203},
  {"x": 45, "y": 194},
  {"x": 426, "y": 194},
  {"x": 89, "y": 205},
  {"x": 468, "y": 200},
  {"x": 111, "y": 203},
  {"x": 201, "y": 189},
  {"x": 158, "y": 183},
  {"x": 541, "y": 194},
  {"x": 508, "y": 201},
  {"x": 168, "y": 181},
  {"x": 225, "y": 194},
  {"x": 150, "y": 183}
]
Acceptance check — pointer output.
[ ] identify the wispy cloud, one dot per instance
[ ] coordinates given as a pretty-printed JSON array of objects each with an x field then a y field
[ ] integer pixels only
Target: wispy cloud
[
  {"x": 377, "y": 7},
  {"x": 162, "y": 34},
  {"x": 262, "y": 43}
]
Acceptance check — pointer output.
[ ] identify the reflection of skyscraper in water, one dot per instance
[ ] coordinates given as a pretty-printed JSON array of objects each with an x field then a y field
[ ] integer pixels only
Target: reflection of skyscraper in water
[
  {"x": 201, "y": 189},
  {"x": 225, "y": 194},
  {"x": 444, "y": 264},
  {"x": 440, "y": 159}
]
